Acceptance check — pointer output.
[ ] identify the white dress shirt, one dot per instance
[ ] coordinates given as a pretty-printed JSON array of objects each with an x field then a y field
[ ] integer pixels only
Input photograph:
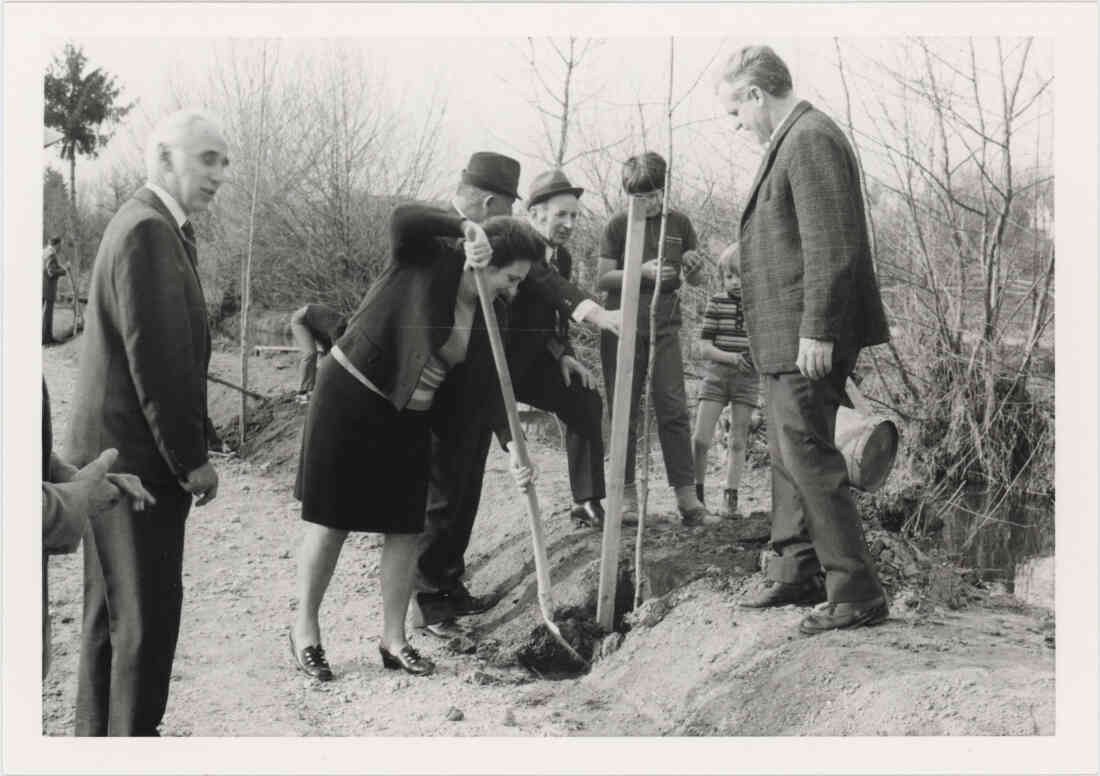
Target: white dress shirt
[
  {"x": 779, "y": 126},
  {"x": 169, "y": 202}
]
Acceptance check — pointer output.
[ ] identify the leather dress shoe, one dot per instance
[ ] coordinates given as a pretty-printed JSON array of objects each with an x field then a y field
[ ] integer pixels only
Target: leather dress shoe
[
  {"x": 464, "y": 603},
  {"x": 446, "y": 630},
  {"x": 590, "y": 514},
  {"x": 774, "y": 593},
  {"x": 847, "y": 614},
  {"x": 311, "y": 660},
  {"x": 407, "y": 659}
]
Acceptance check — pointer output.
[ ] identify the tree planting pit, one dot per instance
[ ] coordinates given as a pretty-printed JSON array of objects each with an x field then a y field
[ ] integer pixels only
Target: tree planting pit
[{"x": 543, "y": 655}]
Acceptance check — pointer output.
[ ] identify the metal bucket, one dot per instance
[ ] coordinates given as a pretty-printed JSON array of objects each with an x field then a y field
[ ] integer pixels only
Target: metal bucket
[{"x": 869, "y": 444}]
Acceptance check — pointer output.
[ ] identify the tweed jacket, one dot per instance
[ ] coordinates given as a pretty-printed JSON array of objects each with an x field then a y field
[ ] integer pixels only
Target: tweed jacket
[
  {"x": 141, "y": 386},
  {"x": 64, "y": 517},
  {"x": 541, "y": 311},
  {"x": 408, "y": 312},
  {"x": 806, "y": 267}
]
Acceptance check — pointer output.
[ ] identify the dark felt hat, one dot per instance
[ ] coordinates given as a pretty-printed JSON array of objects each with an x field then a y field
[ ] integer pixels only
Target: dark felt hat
[
  {"x": 493, "y": 172},
  {"x": 550, "y": 184}
]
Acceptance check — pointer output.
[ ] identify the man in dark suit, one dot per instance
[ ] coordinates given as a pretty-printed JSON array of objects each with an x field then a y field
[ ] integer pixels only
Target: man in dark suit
[
  {"x": 460, "y": 442},
  {"x": 544, "y": 367},
  {"x": 811, "y": 303},
  {"x": 141, "y": 389}
]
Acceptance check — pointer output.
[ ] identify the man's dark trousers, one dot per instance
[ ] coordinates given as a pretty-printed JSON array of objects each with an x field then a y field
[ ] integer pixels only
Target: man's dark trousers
[
  {"x": 49, "y": 299},
  {"x": 668, "y": 397},
  {"x": 454, "y": 494},
  {"x": 462, "y": 430},
  {"x": 815, "y": 523},
  {"x": 460, "y": 450},
  {"x": 540, "y": 384},
  {"x": 133, "y": 596}
]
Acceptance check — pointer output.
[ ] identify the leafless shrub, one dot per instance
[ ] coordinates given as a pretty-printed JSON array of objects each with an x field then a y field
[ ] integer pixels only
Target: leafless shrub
[{"x": 962, "y": 216}]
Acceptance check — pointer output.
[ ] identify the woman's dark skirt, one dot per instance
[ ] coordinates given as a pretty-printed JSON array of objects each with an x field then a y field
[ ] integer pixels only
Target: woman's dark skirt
[{"x": 364, "y": 464}]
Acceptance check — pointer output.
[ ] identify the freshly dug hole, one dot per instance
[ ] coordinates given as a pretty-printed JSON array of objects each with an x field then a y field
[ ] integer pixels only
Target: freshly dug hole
[{"x": 543, "y": 654}]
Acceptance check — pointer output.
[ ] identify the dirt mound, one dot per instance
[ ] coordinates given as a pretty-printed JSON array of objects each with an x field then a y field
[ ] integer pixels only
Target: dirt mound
[
  {"x": 749, "y": 673},
  {"x": 272, "y": 434},
  {"x": 274, "y": 423}
]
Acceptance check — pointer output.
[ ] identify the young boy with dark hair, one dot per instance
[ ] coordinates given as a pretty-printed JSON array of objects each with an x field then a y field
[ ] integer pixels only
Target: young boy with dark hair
[{"x": 644, "y": 176}]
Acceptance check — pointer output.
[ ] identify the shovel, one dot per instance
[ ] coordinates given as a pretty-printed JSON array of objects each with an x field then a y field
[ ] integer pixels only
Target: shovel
[{"x": 542, "y": 573}]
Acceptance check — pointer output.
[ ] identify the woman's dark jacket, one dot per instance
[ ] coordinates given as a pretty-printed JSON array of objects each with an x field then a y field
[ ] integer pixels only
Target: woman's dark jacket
[{"x": 408, "y": 313}]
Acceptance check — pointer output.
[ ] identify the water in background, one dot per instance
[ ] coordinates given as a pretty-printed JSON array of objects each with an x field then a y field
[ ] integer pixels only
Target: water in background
[{"x": 993, "y": 541}]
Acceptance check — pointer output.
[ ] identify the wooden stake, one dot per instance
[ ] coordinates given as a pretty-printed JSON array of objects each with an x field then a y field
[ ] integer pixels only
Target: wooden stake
[{"x": 620, "y": 412}]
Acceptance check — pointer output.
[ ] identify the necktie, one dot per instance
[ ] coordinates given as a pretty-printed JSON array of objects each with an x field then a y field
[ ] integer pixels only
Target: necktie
[{"x": 189, "y": 241}]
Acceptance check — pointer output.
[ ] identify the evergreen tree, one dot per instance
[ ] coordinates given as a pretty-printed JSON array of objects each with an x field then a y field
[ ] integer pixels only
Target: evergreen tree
[{"x": 82, "y": 106}]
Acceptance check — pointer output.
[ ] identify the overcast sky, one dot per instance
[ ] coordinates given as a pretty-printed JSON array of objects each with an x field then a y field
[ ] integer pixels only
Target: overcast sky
[{"x": 487, "y": 84}]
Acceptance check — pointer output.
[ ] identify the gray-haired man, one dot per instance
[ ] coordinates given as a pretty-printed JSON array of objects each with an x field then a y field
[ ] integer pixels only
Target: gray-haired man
[{"x": 811, "y": 303}]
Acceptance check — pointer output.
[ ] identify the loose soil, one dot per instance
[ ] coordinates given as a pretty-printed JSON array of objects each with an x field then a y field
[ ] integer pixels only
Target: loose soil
[{"x": 955, "y": 658}]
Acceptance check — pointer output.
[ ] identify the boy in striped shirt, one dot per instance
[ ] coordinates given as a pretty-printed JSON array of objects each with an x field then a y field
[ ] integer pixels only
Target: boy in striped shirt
[{"x": 731, "y": 378}]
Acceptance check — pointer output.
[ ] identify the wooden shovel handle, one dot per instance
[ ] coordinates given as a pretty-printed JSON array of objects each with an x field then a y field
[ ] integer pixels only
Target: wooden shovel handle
[{"x": 542, "y": 573}]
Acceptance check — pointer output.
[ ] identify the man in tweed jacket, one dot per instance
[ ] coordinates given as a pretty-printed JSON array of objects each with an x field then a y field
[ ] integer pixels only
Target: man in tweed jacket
[{"x": 811, "y": 303}]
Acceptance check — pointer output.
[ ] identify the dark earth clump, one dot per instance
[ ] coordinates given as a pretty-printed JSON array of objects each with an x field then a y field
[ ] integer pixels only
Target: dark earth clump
[{"x": 544, "y": 655}]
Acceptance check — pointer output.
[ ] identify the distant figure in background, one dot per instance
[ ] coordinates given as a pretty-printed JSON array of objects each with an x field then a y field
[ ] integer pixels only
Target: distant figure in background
[
  {"x": 71, "y": 497},
  {"x": 52, "y": 269},
  {"x": 730, "y": 379},
  {"x": 644, "y": 176},
  {"x": 313, "y": 326},
  {"x": 141, "y": 388}
]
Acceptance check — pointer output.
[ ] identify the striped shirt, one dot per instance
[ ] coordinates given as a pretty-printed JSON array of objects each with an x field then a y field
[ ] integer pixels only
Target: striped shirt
[
  {"x": 430, "y": 379},
  {"x": 450, "y": 353},
  {"x": 724, "y": 323}
]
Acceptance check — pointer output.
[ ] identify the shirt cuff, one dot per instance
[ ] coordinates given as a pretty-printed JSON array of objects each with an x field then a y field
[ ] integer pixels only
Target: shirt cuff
[{"x": 583, "y": 308}]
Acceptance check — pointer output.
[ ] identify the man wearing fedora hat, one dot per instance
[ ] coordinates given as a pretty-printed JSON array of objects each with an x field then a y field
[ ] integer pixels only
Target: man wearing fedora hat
[
  {"x": 546, "y": 371},
  {"x": 461, "y": 437}
]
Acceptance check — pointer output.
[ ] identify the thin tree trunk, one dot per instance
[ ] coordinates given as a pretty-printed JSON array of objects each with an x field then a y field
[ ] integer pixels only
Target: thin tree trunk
[
  {"x": 74, "y": 235},
  {"x": 563, "y": 134},
  {"x": 246, "y": 271},
  {"x": 646, "y": 398}
]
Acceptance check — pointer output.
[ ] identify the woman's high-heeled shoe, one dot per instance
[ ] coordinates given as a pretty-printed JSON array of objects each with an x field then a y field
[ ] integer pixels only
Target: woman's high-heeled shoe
[
  {"x": 408, "y": 659},
  {"x": 311, "y": 660}
]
